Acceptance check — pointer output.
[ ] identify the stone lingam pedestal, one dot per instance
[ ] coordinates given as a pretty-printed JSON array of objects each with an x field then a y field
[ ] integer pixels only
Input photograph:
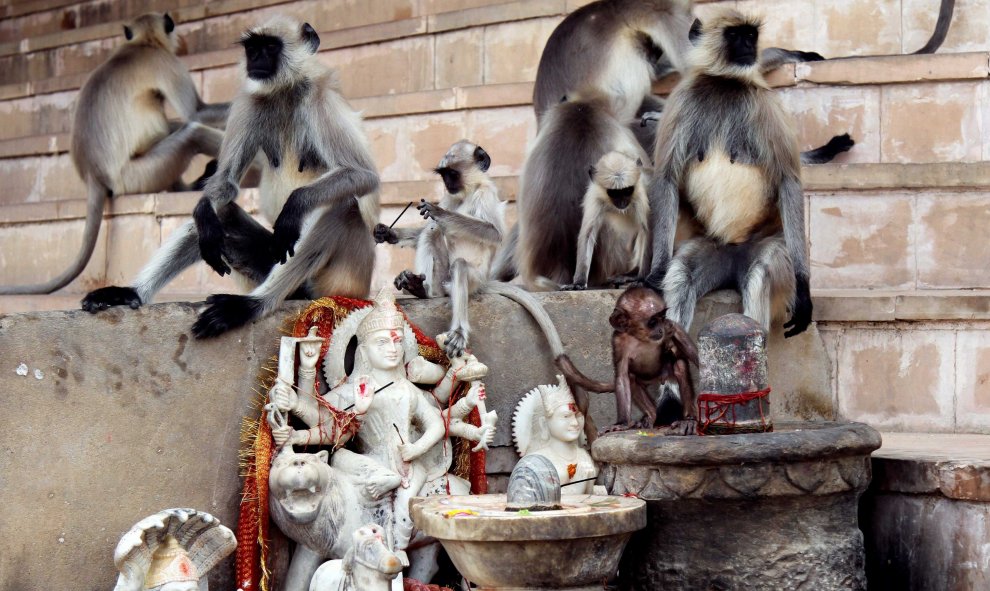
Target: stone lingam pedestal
[{"x": 756, "y": 511}]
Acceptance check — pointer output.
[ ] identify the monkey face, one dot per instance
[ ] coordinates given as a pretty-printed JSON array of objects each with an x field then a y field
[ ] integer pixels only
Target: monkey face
[
  {"x": 621, "y": 198},
  {"x": 641, "y": 313},
  {"x": 263, "y": 53},
  {"x": 740, "y": 44},
  {"x": 451, "y": 179}
]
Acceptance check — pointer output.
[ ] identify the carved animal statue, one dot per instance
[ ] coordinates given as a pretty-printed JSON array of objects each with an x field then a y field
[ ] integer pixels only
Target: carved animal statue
[{"x": 368, "y": 566}]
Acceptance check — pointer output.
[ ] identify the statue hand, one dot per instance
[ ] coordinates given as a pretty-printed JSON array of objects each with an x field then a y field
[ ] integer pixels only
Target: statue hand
[
  {"x": 363, "y": 395},
  {"x": 409, "y": 451},
  {"x": 282, "y": 435},
  {"x": 283, "y": 397}
]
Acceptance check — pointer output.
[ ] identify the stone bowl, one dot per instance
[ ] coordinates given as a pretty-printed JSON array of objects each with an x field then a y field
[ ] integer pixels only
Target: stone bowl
[{"x": 576, "y": 547}]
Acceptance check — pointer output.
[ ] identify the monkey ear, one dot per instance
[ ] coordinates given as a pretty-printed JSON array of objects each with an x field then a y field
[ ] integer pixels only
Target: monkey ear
[
  {"x": 310, "y": 37},
  {"x": 639, "y": 162},
  {"x": 169, "y": 23},
  {"x": 619, "y": 320},
  {"x": 482, "y": 158},
  {"x": 695, "y": 33},
  {"x": 591, "y": 172},
  {"x": 128, "y": 33}
]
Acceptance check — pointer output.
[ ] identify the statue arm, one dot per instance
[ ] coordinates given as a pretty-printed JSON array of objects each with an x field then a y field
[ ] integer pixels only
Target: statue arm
[{"x": 432, "y": 425}]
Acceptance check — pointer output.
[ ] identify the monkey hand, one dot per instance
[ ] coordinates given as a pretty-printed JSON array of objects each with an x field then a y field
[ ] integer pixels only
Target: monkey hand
[
  {"x": 429, "y": 210},
  {"x": 210, "y": 232},
  {"x": 801, "y": 315},
  {"x": 105, "y": 297},
  {"x": 288, "y": 227},
  {"x": 383, "y": 233},
  {"x": 574, "y": 287}
]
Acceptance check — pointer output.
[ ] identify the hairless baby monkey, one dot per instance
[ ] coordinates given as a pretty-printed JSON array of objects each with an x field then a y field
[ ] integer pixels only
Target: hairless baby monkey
[{"x": 647, "y": 348}]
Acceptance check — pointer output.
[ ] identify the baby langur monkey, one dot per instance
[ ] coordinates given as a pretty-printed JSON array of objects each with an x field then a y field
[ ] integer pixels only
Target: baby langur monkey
[
  {"x": 613, "y": 245},
  {"x": 454, "y": 251}
]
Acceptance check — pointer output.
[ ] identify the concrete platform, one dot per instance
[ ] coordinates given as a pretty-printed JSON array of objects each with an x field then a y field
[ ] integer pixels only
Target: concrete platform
[{"x": 926, "y": 515}]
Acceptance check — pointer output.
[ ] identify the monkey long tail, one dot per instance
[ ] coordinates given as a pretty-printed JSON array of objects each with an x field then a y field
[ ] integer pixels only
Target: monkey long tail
[
  {"x": 574, "y": 376},
  {"x": 94, "y": 215},
  {"x": 941, "y": 27},
  {"x": 535, "y": 309}
]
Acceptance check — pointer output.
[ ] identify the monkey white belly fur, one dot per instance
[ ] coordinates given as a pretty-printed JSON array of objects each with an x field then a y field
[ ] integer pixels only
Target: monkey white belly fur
[{"x": 729, "y": 198}]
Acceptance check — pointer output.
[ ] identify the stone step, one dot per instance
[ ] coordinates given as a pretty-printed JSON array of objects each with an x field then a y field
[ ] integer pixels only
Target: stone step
[
  {"x": 884, "y": 239},
  {"x": 925, "y": 516}
]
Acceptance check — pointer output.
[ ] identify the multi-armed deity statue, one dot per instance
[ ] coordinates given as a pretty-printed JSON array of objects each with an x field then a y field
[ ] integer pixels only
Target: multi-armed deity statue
[{"x": 399, "y": 429}]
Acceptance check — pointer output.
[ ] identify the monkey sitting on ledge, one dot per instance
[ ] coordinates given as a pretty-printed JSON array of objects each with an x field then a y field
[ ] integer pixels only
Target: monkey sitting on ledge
[{"x": 647, "y": 348}]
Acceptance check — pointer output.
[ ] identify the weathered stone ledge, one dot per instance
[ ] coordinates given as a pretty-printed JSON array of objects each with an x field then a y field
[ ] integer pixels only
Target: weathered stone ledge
[{"x": 954, "y": 466}]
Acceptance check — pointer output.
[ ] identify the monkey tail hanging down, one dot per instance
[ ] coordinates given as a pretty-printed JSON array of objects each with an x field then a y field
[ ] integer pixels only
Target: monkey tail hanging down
[{"x": 121, "y": 139}]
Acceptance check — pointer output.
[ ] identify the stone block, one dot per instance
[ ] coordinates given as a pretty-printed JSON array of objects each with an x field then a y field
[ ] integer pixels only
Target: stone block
[
  {"x": 932, "y": 123},
  {"x": 862, "y": 242},
  {"x": 459, "y": 58},
  {"x": 823, "y": 112},
  {"x": 405, "y": 65},
  {"x": 373, "y": 33},
  {"x": 438, "y": 6},
  {"x": 32, "y": 253},
  {"x": 857, "y": 27},
  {"x": 131, "y": 240},
  {"x": 500, "y": 12},
  {"x": 495, "y": 95},
  {"x": 952, "y": 246},
  {"x": 898, "y": 379},
  {"x": 895, "y": 68},
  {"x": 410, "y": 103},
  {"x": 973, "y": 381},
  {"x": 512, "y": 50},
  {"x": 967, "y": 32}
]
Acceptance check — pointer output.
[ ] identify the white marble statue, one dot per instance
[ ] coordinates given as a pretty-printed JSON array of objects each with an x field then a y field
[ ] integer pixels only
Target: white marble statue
[
  {"x": 547, "y": 422},
  {"x": 368, "y": 566},
  {"x": 172, "y": 550},
  {"x": 401, "y": 447}
]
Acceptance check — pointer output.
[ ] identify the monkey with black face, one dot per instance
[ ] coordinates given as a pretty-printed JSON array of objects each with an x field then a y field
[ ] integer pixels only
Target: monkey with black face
[
  {"x": 454, "y": 250},
  {"x": 728, "y": 151},
  {"x": 647, "y": 348},
  {"x": 613, "y": 244},
  {"x": 317, "y": 177},
  {"x": 122, "y": 141}
]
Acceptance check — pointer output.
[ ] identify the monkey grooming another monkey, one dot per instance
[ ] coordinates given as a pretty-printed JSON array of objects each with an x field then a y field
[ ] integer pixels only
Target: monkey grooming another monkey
[
  {"x": 122, "y": 141},
  {"x": 647, "y": 348},
  {"x": 615, "y": 227},
  {"x": 318, "y": 177},
  {"x": 727, "y": 149}
]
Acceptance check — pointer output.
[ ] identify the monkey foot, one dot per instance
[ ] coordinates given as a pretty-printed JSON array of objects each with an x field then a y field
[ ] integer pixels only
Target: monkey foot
[
  {"x": 456, "y": 342},
  {"x": 574, "y": 287},
  {"x": 412, "y": 283},
  {"x": 649, "y": 117},
  {"x": 225, "y": 312},
  {"x": 683, "y": 427},
  {"x": 106, "y": 297},
  {"x": 625, "y": 281}
]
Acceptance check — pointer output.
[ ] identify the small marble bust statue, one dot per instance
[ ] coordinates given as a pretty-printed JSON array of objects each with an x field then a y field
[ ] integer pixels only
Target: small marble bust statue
[
  {"x": 547, "y": 422},
  {"x": 172, "y": 550}
]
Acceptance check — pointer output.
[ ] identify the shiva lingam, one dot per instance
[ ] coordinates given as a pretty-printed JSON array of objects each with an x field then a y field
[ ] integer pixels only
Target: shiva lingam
[{"x": 534, "y": 538}]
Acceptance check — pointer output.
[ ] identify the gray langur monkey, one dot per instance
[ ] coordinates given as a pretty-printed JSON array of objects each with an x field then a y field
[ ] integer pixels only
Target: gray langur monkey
[
  {"x": 574, "y": 135},
  {"x": 728, "y": 151},
  {"x": 613, "y": 244},
  {"x": 122, "y": 141},
  {"x": 454, "y": 250},
  {"x": 318, "y": 178}
]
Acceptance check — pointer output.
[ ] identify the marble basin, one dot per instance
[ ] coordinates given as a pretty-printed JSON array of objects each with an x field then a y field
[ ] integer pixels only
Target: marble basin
[{"x": 574, "y": 548}]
